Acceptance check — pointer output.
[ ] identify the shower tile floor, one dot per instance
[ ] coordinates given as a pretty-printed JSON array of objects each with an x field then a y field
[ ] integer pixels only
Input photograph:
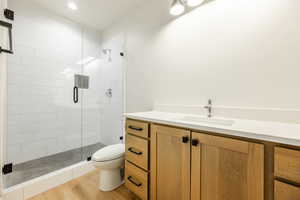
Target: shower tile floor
[{"x": 35, "y": 168}]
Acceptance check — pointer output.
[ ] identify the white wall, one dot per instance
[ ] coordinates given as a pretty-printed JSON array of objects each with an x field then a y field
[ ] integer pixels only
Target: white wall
[
  {"x": 243, "y": 54},
  {"x": 42, "y": 118}
]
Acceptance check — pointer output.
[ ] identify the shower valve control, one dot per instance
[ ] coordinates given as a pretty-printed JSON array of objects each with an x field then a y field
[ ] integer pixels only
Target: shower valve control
[{"x": 109, "y": 92}]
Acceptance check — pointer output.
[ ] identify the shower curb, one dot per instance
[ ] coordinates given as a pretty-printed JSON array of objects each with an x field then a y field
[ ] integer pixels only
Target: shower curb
[{"x": 44, "y": 183}]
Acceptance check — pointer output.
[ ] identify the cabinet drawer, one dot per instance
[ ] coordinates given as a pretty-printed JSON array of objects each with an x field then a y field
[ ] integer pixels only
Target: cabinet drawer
[
  {"x": 137, "y": 151},
  {"x": 287, "y": 164},
  {"x": 137, "y": 128},
  {"x": 136, "y": 180},
  {"x": 285, "y": 191}
]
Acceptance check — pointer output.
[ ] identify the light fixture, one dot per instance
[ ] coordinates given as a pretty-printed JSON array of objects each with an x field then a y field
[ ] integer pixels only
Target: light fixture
[
  {"x": 193, "y": 3},
  {"x": 72, "y": 6},
  {"x": 177, "y": 8}
]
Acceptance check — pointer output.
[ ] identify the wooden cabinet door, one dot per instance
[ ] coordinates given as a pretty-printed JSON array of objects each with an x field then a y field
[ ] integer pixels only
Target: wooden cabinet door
[
  {"x": 226, "y": 169},
  {"x": 170, "y": 163}
]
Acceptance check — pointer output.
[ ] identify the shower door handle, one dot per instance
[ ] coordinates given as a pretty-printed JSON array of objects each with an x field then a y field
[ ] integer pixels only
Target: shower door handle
[
  {"x": 9, "y": 27},
  {"x": 75, "y": 94}
]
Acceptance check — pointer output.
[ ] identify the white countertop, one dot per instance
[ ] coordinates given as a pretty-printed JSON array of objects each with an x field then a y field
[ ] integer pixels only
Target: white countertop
[{"x": 284, "y": 133}]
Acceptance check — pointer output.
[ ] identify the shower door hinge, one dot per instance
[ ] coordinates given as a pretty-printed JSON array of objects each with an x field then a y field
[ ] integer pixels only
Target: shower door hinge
[
  {"x": 7, "y": 168},
  {"x": 9, "y": 14}
]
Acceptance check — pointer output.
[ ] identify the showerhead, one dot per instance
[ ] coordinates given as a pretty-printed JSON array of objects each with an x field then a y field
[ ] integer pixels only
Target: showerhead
[{"x": 106, "y": 51}]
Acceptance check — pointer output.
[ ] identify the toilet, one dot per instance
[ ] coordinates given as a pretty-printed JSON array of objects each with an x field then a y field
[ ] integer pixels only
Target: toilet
[{"x": 110, "y": 161}]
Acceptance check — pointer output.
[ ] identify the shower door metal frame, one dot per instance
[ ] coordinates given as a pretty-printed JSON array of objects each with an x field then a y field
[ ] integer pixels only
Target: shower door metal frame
[{"x": 3, "y": 96}]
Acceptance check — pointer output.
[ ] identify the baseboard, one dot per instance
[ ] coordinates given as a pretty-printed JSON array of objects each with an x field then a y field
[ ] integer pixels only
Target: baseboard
[{"x": 44, "y": 183}]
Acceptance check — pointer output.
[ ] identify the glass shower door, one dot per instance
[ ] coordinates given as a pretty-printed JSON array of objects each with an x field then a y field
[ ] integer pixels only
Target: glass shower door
[
  {"x": 103, "y": 101},
  {"x": 44, "y": 123},
  {"x": 91, "y": 97},
  {"x": 65, "y": 92}
]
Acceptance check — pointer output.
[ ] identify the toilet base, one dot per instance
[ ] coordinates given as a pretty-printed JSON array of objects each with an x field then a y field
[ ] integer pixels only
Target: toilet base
[{"x": 110, "y": 179}]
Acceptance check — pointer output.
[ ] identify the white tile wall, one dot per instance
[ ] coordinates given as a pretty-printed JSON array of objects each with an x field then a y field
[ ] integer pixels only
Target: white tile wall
[{"x": 42, "y": 118}]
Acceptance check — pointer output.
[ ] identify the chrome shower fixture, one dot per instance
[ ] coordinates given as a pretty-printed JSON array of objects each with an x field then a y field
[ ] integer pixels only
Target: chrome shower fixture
[
  {"x": 108, "y": 92},
  {"x": 107, "y": 52}
]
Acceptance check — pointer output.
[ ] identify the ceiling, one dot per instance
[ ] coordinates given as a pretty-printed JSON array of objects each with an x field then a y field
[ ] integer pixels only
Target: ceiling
[{"x": 98, "y": 14}]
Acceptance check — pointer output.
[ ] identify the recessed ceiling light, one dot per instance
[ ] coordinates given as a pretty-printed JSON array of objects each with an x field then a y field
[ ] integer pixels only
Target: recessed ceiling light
[{"x": 72, "y": 6}]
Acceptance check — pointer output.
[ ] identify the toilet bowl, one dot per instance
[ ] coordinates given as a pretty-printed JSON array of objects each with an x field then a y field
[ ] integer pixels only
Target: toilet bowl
[{"x": 110, "y": 161}]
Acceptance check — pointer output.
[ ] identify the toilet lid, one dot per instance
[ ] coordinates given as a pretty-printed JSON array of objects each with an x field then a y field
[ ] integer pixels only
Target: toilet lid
[{"x": 110, "y": 152}]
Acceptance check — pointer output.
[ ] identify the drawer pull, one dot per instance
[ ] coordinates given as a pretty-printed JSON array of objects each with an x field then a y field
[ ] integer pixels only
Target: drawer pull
[
  {"x": 134, "y": 182},
  {"x": 135, "y": 152},
  {"x": 135, "y": 128}
]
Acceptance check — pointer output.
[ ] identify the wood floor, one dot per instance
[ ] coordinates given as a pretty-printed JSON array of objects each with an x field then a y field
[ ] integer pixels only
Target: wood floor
[{"x": 84, "y": 188}]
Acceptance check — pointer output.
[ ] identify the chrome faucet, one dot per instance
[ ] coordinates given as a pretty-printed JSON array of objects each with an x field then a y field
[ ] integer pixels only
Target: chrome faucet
[{"x": 209, "y": 108}]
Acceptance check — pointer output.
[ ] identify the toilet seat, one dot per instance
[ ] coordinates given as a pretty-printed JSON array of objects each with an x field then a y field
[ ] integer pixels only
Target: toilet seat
[{"x": 109, "y": 153}]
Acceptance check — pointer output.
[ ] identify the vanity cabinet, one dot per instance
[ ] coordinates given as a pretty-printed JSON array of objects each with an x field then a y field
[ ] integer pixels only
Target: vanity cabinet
[
  {"x": 137, "y": 158},
  {"x": 136, "y": 180},
  {"x": 137, "y": 128},
  {"x": 287, "y": 164},
  {"x": 137, "y": 151},
  {"x": 199, "y": 166},
  {"x": 285, "y": 191},
  {"x": 170, "y": 163},
  {"x": 226, "y": 169},
  {"x": 287, "y": 169}
]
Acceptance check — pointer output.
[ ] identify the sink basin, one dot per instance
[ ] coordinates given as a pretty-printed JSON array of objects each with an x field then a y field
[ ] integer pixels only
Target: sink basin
[{"x": 216, "y": 121}]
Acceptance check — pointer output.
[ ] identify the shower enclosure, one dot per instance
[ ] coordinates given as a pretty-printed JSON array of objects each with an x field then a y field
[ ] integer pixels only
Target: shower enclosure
[{"x": 65, "y": 92}]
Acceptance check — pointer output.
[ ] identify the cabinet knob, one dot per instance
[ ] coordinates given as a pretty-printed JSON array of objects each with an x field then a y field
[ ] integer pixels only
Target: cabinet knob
[
  {"x": 185, "y": 139},
  {"x": 195, "y": 142}
]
